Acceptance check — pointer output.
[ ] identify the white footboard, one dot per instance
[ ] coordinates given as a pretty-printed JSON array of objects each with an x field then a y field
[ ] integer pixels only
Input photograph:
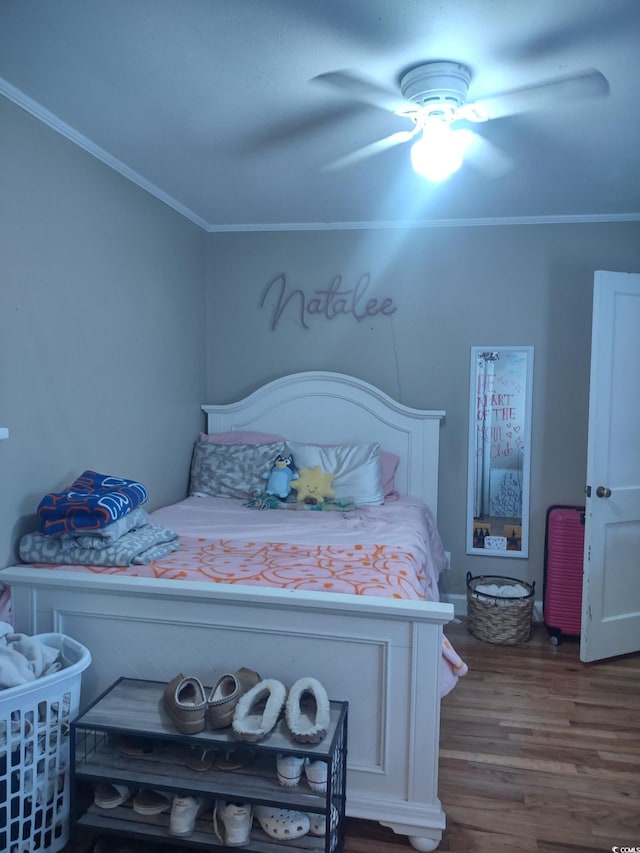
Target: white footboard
[{"x": 381, "y": 655}]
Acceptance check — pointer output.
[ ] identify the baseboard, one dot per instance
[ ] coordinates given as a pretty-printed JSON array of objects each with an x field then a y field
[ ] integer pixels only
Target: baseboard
[{"x": 460, "y": 606}]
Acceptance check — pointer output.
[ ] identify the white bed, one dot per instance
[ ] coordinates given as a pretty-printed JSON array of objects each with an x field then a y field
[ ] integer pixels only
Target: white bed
[{"x": 382, "y": 655}]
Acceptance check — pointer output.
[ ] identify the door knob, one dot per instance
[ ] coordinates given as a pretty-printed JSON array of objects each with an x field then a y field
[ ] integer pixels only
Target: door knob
[{"x": 603, "y": 492}]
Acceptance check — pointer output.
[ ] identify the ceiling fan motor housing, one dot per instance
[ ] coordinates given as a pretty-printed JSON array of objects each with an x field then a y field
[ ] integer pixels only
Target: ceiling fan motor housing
[{"x": 440, "y": 88}]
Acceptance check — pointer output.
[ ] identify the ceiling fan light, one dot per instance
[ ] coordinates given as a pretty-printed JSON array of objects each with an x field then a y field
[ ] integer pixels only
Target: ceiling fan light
[{"x": 439, "y": 151}]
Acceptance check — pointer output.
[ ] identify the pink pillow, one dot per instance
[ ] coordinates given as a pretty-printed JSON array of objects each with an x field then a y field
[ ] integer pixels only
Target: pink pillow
[
  {"x": 389, "y": 463},
  {"x": 240, "y": 437}
]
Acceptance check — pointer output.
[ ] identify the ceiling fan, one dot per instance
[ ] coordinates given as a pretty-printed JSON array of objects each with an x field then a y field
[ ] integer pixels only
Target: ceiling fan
[{"x": 433, "y": 96}]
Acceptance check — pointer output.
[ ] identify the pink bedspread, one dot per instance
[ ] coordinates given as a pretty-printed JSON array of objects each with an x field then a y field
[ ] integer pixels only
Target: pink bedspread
[
  {"x": 223, "y": 541},
  {"x": 306, "y": 549}
]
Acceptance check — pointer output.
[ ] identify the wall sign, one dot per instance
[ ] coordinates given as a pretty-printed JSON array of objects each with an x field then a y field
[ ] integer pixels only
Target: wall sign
[{"x": 324, "y": 303}]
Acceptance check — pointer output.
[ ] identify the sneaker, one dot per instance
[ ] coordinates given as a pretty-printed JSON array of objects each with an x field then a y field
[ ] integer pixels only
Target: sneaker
[
  {"x": 316, "y": 773},
  {"x": 232, "y": 823},
  {"x": 184, "y": 813},
  {"x": 289, "y": 769}
]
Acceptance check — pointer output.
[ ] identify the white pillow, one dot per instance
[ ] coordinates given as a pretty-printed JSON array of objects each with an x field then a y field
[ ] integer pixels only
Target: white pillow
[{"x": 356, "y": 468}]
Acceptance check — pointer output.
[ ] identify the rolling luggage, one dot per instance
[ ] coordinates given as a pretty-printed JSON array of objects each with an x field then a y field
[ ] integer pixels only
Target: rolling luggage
[{"x": 563, "y": 567}]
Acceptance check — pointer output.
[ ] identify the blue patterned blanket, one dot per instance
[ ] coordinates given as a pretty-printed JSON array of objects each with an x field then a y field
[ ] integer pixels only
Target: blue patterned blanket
[{"x": 90, "y": 503}]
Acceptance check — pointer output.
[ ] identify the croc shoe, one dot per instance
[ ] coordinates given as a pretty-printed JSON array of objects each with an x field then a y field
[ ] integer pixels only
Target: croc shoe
[
  {"x": 318, "y": 822},
  {"x": 224, "y": 696},
  {"x": 281, "y": 824},
  {"x": 258, "y": 710},
  {"x": 186, "y": 704},
  {"x": 307, "y": 711}
]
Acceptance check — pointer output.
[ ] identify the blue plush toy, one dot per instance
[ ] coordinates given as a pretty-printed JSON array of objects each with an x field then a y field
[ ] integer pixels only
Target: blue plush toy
[{"x": 280, "y": 477}]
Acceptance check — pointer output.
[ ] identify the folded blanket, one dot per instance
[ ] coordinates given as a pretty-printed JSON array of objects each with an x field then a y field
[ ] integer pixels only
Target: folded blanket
[
  {"x": 90, "y": 503},
  {"x": 137, "y": 547},
  {"x": 107, "y": 535}
]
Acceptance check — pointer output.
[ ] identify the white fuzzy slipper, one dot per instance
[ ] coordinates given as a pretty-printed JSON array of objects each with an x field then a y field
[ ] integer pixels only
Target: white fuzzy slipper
[
  {"x": 258, "y": 710},
  {"x": 307, "y": 711},
  {"x": 283, "y": 824}
]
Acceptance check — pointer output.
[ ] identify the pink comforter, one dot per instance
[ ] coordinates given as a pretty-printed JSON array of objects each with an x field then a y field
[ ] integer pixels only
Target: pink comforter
[
  {"x": 337, "y": 551},
  {"x": 223, "y": 541}
]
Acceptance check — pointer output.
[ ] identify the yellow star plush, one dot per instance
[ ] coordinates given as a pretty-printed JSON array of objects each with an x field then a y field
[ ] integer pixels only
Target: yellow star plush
[{"x": 313, "y": 486}]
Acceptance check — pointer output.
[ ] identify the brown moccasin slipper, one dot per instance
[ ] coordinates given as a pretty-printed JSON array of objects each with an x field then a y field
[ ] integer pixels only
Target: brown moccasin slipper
[
  {"x": 224, "y": 696},
  {"x": 185, "y": 703}
]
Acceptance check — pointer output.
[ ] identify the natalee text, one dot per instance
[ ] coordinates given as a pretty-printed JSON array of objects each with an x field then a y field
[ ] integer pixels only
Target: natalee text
[{"x": 329, "y": 303}]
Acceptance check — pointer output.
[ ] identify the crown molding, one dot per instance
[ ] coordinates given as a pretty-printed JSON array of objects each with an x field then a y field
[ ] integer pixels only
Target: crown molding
[
  {"x": 559, "y": 219},
  {"x": 44, "y": 115}
]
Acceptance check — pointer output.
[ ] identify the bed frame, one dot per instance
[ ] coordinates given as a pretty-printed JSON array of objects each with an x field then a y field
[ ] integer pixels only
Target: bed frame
[{"x": 381, "y": 655}]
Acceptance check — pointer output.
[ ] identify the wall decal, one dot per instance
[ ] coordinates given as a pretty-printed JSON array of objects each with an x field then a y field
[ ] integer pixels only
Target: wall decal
[{"x": 334, "y": 301}]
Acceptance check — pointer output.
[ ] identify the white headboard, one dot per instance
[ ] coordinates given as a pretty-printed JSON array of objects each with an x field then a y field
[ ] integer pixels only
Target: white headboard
[{"x": 332, "y": 408}]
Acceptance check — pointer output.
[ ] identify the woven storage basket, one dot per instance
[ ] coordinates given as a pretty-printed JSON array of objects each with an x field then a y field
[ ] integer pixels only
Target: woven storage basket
[{"x": 499, "y": 619}]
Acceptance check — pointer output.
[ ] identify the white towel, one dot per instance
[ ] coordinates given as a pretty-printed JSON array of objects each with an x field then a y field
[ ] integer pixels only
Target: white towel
[
  {"x": 503, "y": 592},
  {"x": 24, "y": 658}
]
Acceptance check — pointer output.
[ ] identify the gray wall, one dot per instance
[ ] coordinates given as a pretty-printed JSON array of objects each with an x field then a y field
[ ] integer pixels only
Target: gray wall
[
  {"x": 454, "y": 288},
  {"x": 102, "y": 331},
  {"x": 102, "y": 355}
]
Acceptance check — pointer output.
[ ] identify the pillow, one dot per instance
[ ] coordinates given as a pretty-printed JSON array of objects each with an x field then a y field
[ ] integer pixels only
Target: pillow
[
  {"x": 356, "y": 468},
  {"x": 231, "y": 470},
  {"x": 389, "y": 462},
  {"x": 240, "y": 437}
]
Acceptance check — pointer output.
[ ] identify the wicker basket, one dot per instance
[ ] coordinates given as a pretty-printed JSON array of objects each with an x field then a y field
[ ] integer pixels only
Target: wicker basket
[{"x": 499, "y": 619}]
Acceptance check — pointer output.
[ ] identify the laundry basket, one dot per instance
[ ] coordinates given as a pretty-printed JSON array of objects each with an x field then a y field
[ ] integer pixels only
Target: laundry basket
[
  {"x": 501, "y": 618},
  {"x": 34, "y": 752}
]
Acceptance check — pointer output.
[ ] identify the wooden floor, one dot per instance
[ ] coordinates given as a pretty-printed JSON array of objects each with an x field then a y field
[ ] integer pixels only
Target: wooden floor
[{"x": 539, "y": 752}]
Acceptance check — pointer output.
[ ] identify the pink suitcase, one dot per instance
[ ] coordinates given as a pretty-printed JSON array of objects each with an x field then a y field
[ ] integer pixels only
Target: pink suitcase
[{"x": 563, "y": 566}]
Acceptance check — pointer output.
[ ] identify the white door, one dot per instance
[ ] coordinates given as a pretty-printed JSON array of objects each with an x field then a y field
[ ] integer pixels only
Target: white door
[{"x": 611, "y": 584}]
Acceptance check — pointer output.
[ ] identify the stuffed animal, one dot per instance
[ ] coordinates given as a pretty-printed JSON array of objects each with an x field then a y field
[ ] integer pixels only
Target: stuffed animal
[
  {"x": 280, "y": 477},
  {"x": 313, "y": 485}
]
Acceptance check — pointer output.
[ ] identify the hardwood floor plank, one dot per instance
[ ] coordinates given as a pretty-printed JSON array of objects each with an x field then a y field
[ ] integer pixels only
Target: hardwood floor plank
[{"x": 561, "y": 775}]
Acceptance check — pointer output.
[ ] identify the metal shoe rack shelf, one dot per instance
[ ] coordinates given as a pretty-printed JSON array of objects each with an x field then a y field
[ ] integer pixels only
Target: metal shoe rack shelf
[{"x": 133, "y": 707}]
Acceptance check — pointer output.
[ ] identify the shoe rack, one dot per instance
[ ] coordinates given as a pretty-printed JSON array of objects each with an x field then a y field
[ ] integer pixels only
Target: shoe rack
[{"x": 133, "y": 709}]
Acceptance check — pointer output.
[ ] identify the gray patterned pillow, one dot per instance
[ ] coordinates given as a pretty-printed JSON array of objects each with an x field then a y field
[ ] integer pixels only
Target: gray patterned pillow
[{"x": 231, "y": 470}]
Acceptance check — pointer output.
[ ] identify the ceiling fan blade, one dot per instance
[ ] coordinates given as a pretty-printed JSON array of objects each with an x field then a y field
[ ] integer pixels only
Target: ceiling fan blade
[
  {"x": 365, "y": 90},
  {"x": 607, "y": 22},
  {"x": 370, "y": 149},
  {"x": 486, "y": 156},
  {"x": 295, "y": 129},
  {"x": 552, "y": 93}
]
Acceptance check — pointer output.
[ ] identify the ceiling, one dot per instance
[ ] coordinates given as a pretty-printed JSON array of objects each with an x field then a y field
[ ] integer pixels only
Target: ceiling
[{"x": 214, "y": 105}]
